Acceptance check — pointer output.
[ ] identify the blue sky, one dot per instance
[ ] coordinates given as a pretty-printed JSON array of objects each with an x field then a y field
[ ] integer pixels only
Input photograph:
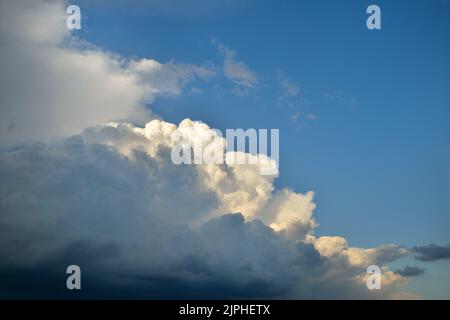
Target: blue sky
[{"x": 377, "y": 155}]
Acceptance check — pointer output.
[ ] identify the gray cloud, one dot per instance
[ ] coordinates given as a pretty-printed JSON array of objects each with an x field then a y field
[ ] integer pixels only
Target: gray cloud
[
  {"x": 237, "y": 71},
  {"x": 292, "y": 98},
  {"x": 432, "y": 252}
]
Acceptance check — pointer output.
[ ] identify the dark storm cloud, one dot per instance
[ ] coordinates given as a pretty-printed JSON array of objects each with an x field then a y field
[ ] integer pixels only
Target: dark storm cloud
[
  {"x": 125, "y": 220},
  {"x": 432, "y": 252},
  {"x": 410, "y": 271}
]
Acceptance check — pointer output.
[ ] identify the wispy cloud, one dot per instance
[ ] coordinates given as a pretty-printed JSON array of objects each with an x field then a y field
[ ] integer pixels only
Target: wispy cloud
[
  {"x": 410, "y": 271},
  {"x": 113, "y": 193},
  {"x": 236, "y": 71},
  {"x": 291, "y": 98},
  {"x": 341, "y": 98},
  {"x": 168, "y": 78}
]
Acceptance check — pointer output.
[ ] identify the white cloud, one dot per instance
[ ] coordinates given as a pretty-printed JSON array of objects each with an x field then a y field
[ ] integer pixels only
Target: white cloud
[
  {"x": 337, "y": 248},
  {"x": 239, "y": 188},
  {"x": 292, "y": 212},
  {"x": 169, "y": 78}
]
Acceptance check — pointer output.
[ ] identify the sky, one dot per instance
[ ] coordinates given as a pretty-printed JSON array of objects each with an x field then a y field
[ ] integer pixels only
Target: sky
[{"x": 364, "y": 140}]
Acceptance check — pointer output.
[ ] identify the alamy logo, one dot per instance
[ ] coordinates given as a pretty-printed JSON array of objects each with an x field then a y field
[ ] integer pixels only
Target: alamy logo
[
  {"x": 74, "y": 280},
  {"x": 212, "y": 148}
]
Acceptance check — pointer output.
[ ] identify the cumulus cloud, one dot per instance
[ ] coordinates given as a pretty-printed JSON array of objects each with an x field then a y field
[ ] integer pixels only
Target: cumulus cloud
[
  {"x": 114, "y": 189},
  {"x": 291, "y": 212},
  {"x": 291, "y": 98},
  {"x": 432, "y": 252},
  {"x": 289, "y": 88},
  {"x": 337, "y": 248},
  {"x": 239, "y": 187}
]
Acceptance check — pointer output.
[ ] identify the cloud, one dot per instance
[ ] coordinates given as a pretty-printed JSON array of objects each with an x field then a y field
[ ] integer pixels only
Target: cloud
[
  {"x": 239, "y": 188},
  {"x": 295, "y": 117},
  {"x": 289, "y": 88},
  {"x": 432, "y": 252},
  {"x": 289, "y": 94},
  {"x": 410, "y": 271},
  {"x": 299, "y": 119},
  {"x": 236, "y": 71},
  {"x": 46, "y": 84},
  {"x": 159, "y": 230},
  {"x": 169, "y": 78}
]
